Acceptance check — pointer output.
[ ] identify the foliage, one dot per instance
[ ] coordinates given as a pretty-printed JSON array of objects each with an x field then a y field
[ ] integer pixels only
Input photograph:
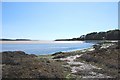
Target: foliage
[{"x": 109, "y": 35}]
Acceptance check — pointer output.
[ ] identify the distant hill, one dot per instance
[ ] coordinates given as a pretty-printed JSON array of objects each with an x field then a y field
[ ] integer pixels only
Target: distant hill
[
  {"x": 108, "y": 35},
  {"x": 15, "y": 40}
]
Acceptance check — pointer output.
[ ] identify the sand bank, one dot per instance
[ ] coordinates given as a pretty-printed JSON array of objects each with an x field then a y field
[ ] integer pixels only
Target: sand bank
[{"x": 37, "y": 42}]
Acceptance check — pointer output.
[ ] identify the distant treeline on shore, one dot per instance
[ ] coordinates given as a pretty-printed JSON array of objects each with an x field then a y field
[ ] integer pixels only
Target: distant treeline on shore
[
  {"x": 108, "y": 35},
  {"x": 15, "y": 40}
]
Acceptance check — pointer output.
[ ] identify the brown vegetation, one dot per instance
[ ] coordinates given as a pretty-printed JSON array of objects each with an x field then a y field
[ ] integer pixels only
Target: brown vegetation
[
  {"x": 21, "y": 65},
  {"x": 106, "y": 58}
]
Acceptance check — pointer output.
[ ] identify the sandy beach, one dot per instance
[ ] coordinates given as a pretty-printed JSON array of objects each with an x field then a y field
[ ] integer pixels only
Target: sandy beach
[
  {"x": 25, "y": 42},
  {"x": 37, "y": 42}
]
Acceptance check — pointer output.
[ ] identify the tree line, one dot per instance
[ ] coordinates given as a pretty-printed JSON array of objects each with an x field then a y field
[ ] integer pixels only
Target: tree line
[{"x": 108, "y": 35}]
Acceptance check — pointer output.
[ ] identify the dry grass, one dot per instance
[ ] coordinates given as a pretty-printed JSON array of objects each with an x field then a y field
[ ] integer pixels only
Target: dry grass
[
  {"x": 107, "y": 59},
  {"x": 21, "y": 65}
]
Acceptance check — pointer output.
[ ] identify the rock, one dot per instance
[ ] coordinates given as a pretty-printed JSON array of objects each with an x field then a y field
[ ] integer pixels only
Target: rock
[
  {"x": 56, "y": 53},
  {"x": 97, "y": 46}
]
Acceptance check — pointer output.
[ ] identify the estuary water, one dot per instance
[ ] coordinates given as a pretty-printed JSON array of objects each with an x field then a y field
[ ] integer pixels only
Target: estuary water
[{"x": 45, "y": 48}]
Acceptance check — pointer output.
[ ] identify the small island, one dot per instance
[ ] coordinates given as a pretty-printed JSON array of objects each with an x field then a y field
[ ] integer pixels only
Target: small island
[{"x": 15, "y": 40}]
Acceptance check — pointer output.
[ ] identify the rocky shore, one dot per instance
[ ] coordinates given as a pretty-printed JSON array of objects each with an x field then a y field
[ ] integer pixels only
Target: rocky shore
[{"x": 97, "y": 62}]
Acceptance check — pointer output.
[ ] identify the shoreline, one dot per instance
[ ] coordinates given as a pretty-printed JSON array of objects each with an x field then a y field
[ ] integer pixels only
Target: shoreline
[
  {"x": 24, "y": 42},
  {"x": 74, "y": 63},
  {"x": 38, "y": 42},
  {"x": 47, "y": 42},
  {"x": 105, "y": 44},
  {"x": 52, "y": 41},
  {"x": 84, "y": 50}
]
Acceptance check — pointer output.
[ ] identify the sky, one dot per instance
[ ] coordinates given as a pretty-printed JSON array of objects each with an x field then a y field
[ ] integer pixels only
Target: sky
[{"x": 57, "y": 20}]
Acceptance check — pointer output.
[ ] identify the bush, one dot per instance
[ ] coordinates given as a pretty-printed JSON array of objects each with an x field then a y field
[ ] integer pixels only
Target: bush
[{"x": 96, "y": 47}]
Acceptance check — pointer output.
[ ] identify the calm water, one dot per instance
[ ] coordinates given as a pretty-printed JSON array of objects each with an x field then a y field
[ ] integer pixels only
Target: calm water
[{"x": 46, "y": 48}]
